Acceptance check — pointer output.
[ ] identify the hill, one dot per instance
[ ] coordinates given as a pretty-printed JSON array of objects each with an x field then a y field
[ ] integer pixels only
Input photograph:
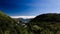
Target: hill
[
  {"x": 52, "y": 17},
  {"x": 8, "y": 25},
  {"x": 45, "y": 24},
  {"x": 25, "y": 20},
  {"x": 42, "y": 24}
]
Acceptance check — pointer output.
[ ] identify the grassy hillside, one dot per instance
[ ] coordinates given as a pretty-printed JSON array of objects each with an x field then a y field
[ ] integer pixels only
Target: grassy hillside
[
  {"x": 8, "y": 25},
  {"x": 45, "y": 24},
  {"x": 42, "y": 24}
]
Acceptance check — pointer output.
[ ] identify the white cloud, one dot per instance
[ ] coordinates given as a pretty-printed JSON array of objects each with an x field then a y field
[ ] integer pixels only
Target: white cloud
[{"x": 23, "y": 17}]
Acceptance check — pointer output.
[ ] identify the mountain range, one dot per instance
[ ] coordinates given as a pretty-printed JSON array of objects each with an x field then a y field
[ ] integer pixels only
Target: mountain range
[{"x": 42, "y": 24}]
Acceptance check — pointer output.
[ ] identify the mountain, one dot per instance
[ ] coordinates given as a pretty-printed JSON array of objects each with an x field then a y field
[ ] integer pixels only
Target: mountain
[
  {"x": 50, "y": 17},
  {"x": 8, "y": 25},
  {"x": 25, "y": 20},
  {"x": 42, "y": 24},
  {"x": 45, "y": 24},
  {"x": 4, "y": 17}
]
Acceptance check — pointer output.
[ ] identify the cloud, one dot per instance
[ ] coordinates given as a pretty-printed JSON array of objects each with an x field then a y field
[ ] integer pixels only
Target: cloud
[{"x": 23, "y": 17}]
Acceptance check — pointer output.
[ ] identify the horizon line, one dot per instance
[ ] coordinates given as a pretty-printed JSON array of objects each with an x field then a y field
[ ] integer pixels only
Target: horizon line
[{"x": 23, "y": 17}]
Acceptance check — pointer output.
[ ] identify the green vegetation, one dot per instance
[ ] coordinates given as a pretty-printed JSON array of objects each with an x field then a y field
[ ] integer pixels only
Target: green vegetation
[
  {"x": 45, "y": 24},
  {"x": 42, "y": 24},
  {"x": 8, "y": 25}
]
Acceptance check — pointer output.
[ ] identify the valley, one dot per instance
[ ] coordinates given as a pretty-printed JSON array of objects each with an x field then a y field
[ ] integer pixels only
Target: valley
[{"x": 42, "y": 24}]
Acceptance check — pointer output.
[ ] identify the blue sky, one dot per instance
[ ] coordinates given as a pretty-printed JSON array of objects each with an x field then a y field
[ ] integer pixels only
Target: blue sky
[{"x": 29, "y": 7}]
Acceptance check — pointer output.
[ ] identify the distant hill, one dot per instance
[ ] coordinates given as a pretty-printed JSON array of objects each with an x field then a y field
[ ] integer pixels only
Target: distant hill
[{"x": 25, "y": 20}]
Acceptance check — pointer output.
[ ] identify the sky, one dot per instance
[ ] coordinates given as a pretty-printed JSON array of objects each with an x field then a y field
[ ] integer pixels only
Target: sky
[{"x": 29, "y": 7}]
